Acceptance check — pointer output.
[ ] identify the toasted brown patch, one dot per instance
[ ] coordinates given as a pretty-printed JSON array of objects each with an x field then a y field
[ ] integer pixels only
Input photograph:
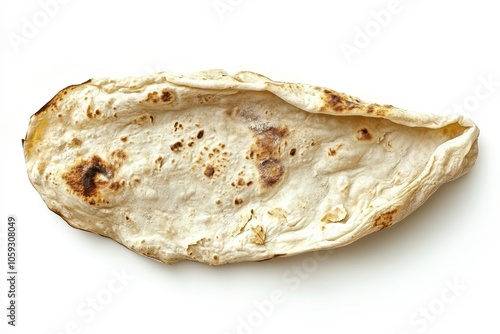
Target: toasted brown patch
[
  {"x": 238, "y": 201},
  {"x": 332, "y": 151},
  {"x": 259, "y": 235},
  {"x": 209, "y": 171},
  {"x": 142, "y": 120},
  {"x": 87, "y": 177},
  {"x": 119, "y": 154},
  {"x": 268, "y": 141},
  {"x": 384, "y": 220},
  {"x": 117, "y": 185},
  {"x": 159, "y": 163},
  {"x": 293, "y": 151},
  {"x": 93, "y": 114},
  {"x": 266, "y": 150},
  {"x": 178, "y": 126},
  {"x": 271, "y": 170},
  {"x": 166, "y": 96},
  {"x": 152, "y": 97},
  {"x": 338, "y": 102},
  {"x": 200, "y": 134},
  {"x": 75, "y": 142},
  {"x": 335, "y": 101},
  {"x": 176, "y": 147},
  {"x": 364, "y": 134},
  {"x": 383, "y": 110}
]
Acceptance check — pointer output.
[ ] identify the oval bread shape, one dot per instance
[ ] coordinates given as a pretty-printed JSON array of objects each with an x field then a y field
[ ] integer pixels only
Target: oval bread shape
[{"x": 219, "y": 169}]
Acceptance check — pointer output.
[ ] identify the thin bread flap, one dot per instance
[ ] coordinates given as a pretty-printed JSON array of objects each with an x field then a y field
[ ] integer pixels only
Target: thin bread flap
[{"x": 218, "y": 168}]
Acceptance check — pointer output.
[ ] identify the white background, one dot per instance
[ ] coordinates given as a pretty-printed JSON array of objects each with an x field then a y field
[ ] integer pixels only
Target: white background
[{"x": 426, "y": 56}]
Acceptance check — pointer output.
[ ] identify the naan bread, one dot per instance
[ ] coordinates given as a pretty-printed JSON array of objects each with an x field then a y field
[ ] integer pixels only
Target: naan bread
[{"x": 218, "y": 168}]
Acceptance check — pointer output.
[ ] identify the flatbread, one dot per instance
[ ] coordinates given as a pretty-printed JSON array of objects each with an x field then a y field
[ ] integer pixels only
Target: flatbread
[{"x": 219, "y": 169}]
